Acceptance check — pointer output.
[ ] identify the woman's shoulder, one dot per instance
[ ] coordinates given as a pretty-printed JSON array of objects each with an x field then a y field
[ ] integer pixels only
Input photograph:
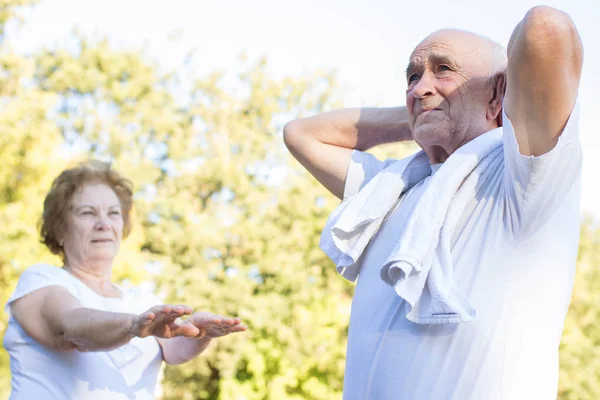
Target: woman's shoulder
[
  {"x": 39, "y": 276},
  {"x": 46, "y": 272},
  {"x": 45, "y": 269}
]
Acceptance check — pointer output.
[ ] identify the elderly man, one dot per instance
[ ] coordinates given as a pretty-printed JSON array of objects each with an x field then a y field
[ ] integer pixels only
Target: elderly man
[{"x": 465, "y": 252}]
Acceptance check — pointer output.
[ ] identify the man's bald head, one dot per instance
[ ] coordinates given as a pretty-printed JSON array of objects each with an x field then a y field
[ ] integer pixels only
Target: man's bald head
[
  {"x": 482, "y": 49},
  {"x": 455, "y": 89}
]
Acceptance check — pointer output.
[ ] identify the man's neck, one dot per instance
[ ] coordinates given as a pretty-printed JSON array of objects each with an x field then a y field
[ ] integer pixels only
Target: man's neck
[
  {"x": 440, "y": 153},
  {"x": 436, "y": 154}
]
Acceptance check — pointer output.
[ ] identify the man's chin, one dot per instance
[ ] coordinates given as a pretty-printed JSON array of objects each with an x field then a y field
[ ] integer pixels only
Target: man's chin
[{"x": 429, "y": 134}]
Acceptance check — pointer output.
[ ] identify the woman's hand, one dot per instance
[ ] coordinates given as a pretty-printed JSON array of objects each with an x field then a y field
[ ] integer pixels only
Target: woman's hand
[
  {"x": 161, "y": 321},
  {"x": 205, "y": 326},
  {"x": 213, "y": 326}
]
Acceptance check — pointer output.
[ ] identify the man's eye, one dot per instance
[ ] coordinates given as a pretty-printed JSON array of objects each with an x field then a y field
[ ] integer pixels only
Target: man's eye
[
  {"x": 115, "y": 212},
  {"x": 443, "y": 68},
  {"x": 413, "y": 78}
]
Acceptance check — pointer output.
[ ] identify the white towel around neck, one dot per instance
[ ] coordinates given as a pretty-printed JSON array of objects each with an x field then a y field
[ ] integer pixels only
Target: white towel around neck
[{"x": 420, "y": 268}]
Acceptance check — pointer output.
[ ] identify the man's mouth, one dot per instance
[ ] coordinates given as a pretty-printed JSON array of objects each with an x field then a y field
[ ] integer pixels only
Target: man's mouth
[{"x": 428, "y": 110}]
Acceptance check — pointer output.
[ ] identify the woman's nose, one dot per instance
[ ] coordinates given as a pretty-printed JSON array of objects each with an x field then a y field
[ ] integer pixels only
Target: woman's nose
[{"x": 102, "y": 223}]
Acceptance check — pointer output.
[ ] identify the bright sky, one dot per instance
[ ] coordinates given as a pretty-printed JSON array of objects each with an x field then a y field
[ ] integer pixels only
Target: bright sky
[{"x": 367, "y": 42}]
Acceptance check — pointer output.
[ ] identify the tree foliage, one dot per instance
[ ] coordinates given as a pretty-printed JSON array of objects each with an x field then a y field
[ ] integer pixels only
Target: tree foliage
[
  {"x": 580, "y": 347},
  {"x": 224, "y": 220}
]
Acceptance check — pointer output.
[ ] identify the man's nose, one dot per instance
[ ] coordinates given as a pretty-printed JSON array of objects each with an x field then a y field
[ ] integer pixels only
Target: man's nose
[{"x": 424, "y": 87}]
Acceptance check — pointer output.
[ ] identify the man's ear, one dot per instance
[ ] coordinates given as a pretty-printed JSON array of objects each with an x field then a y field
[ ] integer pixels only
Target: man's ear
[
  {"x": 499, "y": 118},
  {"x": 495, "y": 105}
]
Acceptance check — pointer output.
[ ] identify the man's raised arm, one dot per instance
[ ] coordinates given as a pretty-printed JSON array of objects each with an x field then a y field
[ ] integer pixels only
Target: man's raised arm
[
  {"x": 545, "y": 57},
  {"x": 323, "y": 143}
]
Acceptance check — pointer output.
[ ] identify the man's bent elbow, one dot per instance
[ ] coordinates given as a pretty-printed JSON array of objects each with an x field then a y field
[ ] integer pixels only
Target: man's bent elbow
[
  {"x": 291, "y": 131},
  {"x": 551, "y": 31},
  {"x": 546, "y": 20}
]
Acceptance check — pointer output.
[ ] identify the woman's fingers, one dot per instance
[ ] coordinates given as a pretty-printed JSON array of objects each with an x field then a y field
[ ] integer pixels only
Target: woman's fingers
[
  {"x": 162, "y": 321},
  {"x": 187, "y": 330},
  {"x": 202, "y": 333},
  {"x": 207, "y": 318},
  {"x": 182, "y": 309},
  {"x": 219, "y": 329},
  {"x": 199, "y": 325},
  {"x": 170, "y": 312},
  {"x": 148, "y": 318},
  {"x": 187, "y": 310},
  {"x": 163, "y": 315}
]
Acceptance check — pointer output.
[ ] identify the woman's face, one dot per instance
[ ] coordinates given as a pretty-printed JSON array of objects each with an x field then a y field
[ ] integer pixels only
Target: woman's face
[{"x": 94, "y": 226}]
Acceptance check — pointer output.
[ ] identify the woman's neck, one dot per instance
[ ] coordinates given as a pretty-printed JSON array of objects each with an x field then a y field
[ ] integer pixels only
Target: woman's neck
[{"x": 98, "y": 278}]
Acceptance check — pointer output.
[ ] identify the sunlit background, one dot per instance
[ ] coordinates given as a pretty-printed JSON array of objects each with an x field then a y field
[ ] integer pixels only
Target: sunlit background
[
  {"x": 366, "y": 42},
  {"x": 250, "y": 246}
]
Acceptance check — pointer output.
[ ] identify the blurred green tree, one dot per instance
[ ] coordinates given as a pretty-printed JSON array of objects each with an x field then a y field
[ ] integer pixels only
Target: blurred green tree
[{"x": 580, "y": 347}]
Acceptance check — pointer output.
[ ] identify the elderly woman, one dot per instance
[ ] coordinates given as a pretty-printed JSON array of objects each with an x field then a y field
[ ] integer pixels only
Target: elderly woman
[{"x": 72, "y": 332}]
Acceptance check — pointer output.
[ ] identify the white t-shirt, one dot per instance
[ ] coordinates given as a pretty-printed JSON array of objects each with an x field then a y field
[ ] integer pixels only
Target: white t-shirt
[
  {"x": 39, "y": 372},
  {"x": 514, "y": 253}
]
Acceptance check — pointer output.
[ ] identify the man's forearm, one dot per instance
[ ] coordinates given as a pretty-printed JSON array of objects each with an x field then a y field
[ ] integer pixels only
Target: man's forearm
[
  {"x": 181, "y": 349},
  {"x": 95, "y": 330},
  {"x": 323, "y": 143},
  {"x": 378, "y": 126},
  {"x": 357, "y": 128}
]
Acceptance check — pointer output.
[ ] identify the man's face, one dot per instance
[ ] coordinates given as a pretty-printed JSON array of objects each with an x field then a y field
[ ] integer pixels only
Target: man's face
[{"x": 448, "y": 80}]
